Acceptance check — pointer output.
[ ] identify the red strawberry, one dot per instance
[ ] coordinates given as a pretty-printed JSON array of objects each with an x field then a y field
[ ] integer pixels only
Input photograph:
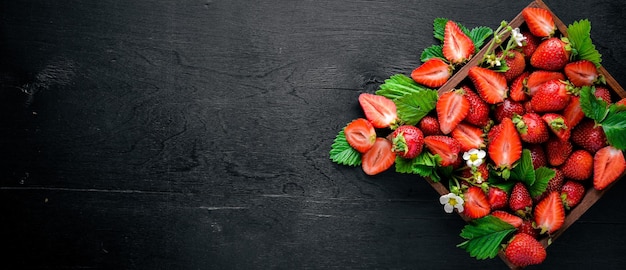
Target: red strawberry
[
  {"x": 498, "y": 198},
  {"x": 476, "y": 203},
  {"x": 506, "y": 147},
  {"x": 557, "y": 150},
  {"x": 573, "y": 113},
  {"x": 452, "y": 107},
  {"x": 379, "y": 158},
  {"x": 490, "y": 85},
  {"x": 581, "y": 72},
  {"x": 507, "y": 217},
  {"x": 531, "y": 128},
  {"x": 429, "y": 126},
  {"x": 360, "y": 134},
  {"x": 540, "y": 21},
  {"x": 527, "y": 228},
  {"x": 551, "y": 96},
  {"x": 603, "y": 93},
  {"x": 479, "y": 110},
  {"x": 589, "y": 136},
  {"x": 557, "y": 125},
  {"x": 518, "y": 89},
  {"x": 457, "y": 46},
  {"x": 530, "y": 44},
  {"x": 608, "y": 165},
  {"x": 578, "y": 166},
  {"x": 507, "y": 109},
  {"x": 447, "y": 148},
  {"x": 379, "y": 110},
  {"x": 552, "y": 54},
  {"x": 477, "y": 174},
  {"x": 519, "y": 200},
  {"x": 537, "y": 155},
  {"x": 572, "y": 193},
  {"x": 539, "y": 77},
  {"x": 516, "y": 64},
  {"x": 433, "y": 73},
  {"x": 621, "y": 102},
  {"x": 468, "y": 136},
  {"x": 549, "y": 213},
  {"x": 408, "y": 141},
  {"x": 524, "y": 250},
  {"x": 555, "y": 184}
]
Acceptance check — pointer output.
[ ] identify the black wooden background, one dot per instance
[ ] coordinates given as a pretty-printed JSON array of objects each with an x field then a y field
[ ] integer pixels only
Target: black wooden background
[{"x": 195, "y": 135}]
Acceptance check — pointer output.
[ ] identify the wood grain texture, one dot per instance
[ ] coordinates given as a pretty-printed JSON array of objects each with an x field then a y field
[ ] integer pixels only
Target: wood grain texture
[{"x": 195, "y": 135}]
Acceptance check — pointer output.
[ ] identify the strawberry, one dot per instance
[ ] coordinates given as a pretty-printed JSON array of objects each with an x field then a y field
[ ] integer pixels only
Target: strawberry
[
  {"x": 581, "y": 72},
  {"x": 621, "y": 102},
  {"x": 498, "y": 198},
  {"x": 549, "y": 213},
  {"x": 507, "y": 217},
  {"x": 451, "y": 108},
  {"x": 524, "y": 250},
  {"x": 557, "y": 125},
  {"x": 603, "y": 93},
  {"x": 573, "y": 113},
  {"x": 476, "y": 203},
  {"x": 517, "y": 90},
  {"x": 477, "y": 174},
  {"x": 479, "y": 110},
  {"x": 530, "y": 44},
  {"x": 515, "y": 62},
  {"x": 551, "y": 54},
  {"x": 379, "y": 110},
  {"x": 551, "y": 96},
  {"x": 429, "y": 126},
  {"x": 531, "y": 128},
  {"x": 433, "y": 73},
  {"x": 540, "y": 21},
  {"x": 557, "y": 150},
  {"x": 538, "y": 77},
  {"x": 589, "y": 136},
  {"x": 408, "y": 141},
  {"x": 490, "y": 85},
  {"x": 468, "y": 136},
  {"x": 506, "y": 147},
  {"x": 457, "y": 46},
  {"x": 520, "y": 201},
  {"x": 537, "y": 155},
  {"x": 578, "y": 166},
  {"x": 527, "y": 228},
  {"x": 447, "y": 148},
  {"x": 555, "y": 184},
  {"x": 608, "y": 165},
  {"x": 572, "y": 193},
  {"x": 360, "y": 134},
  {"x": 379, "y": 158},
  {"x": 507, "y": 109}
]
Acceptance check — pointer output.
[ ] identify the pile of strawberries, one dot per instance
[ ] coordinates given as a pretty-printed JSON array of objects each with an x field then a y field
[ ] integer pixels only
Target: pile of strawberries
[{"x": 537, "y": 110}]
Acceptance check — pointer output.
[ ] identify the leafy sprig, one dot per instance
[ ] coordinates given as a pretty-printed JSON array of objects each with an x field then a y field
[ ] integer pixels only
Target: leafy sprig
[
  {"x": 342, "y": 153},
  {"x": 579, "y": 36},
  {"x": 484, "y": 237},
  {"x": 612, "y": 118}
]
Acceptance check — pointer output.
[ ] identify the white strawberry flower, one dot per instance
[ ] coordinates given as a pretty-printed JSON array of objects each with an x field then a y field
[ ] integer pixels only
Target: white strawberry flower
[
  {"x": 474, "y": 157},
  {"x": 451, "y": 201},
  {"x": 518, "y": 37}
]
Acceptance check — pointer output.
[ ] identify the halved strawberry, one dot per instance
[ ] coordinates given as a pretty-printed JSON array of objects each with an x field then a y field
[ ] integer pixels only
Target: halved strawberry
[
  {"x": 451, "y": 108},
  {"x": 379, "y": 158},
  {"x": 360, "y": 134},
  {"x": 476, "y": 203},
  {"x": 557, "y": 125},
  {"x": 608, "y": 165},
  {"x": 490, "y": 85},
  {"x": 433, "y": 73},
  {"x": 457, "y": 46},
  {"x": 506, "y": 147},
  {"x": 469, "y": 136},
  {"x": 507, "y": 217},
  {"x": 379, "y": 110},
  {"x": 552, "y": 96},
  {"x": 540, "y": 21},
  {"x": 552, "y": 54},
  {"x": 538, "y": 77},
  {"x": 572, "y": 113},
  {"x": 524, "y": 250},
  {"x": 479, "y": 110},
  {"x": 549, "y": 213},
  {"x": 447, "y": 148},
  {"x": 581, "y": 72},
  {"x": 518, "y": 89},
  {"x": 408, "y": 141}
]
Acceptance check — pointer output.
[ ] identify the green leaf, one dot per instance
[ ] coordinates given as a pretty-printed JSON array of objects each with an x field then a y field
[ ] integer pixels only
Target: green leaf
[
  {"x": 439, "y": 27},
  {"x": 484, "y": 237},
  {"x": 434, "y": 51},
  {"x": 479, "y": 35},
  {"x": 593, "y": 107},
  {"x": 542, "y": 177},
  {"x": 524, "y": 170},
  {"x": 614, "y": 126},
  {"x": 399, "y": 85},
  {"x": 579, "y": 35},
  {"x": 425, "y": 164},
  {"x": 414, "y": 106},
  {"x": 342, "y": 153}
]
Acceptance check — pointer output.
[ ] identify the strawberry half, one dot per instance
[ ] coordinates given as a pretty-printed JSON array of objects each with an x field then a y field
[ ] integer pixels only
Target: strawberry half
[
  {"x": 524, "y": 250},
  {"x": 540, "y": 21},
  {"x": 505, "y": 148},
  {"x": 572, "y": 113},
  {"x": 476, "y": 203},
  {"x": 360, "y": 134},
  {"x": 451, "y": 108},
  {"x": 549, "y": 213},
  {"x": 447, "y": 148},
  {"x": 608, "y": 165},
  {"x": 457, "y": 46},
  {"x": 433, "y": 73},
  {"x": 507, "y": 217},
  {"x": 498, "y": 198},
  {"x": 408, "y": 141},
  {"x": 581, "y": 72},
  {"x": 469, "y": 136},
  {"x": 379, "y": 110},
  {"x": 552, "y": 54},
  {"x": 518, "y": 89},
  {"x": 379, "y": 158},
  {"x": 538, "y": 77},
  {"x": 490, "y": 85}
]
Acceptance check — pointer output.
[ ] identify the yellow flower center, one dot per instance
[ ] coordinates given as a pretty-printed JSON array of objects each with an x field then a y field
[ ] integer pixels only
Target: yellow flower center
[
  {"x": 452, "y": 201},
  {"x": 473, "y": 157}
]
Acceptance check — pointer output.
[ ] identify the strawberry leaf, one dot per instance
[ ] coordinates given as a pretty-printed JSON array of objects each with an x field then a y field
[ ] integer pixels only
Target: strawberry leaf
[
  {"x": 399, "y": 85},
  {"x": 593, "y": 107},
  {"x": 342, "y": 153},
  {"x": 579, "y": 35},
  {"x": 425, "y": 165},
  {"x": 414, "y": 106},
  {"x": 524, "y": 170},
  {"x": 542, "y": 177},
  {"x": 434, "y": 51},
  {"x": 478, "y": 35},
  {"x": 484, "y": 236},
  {"x": 614, "y": 125}
]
